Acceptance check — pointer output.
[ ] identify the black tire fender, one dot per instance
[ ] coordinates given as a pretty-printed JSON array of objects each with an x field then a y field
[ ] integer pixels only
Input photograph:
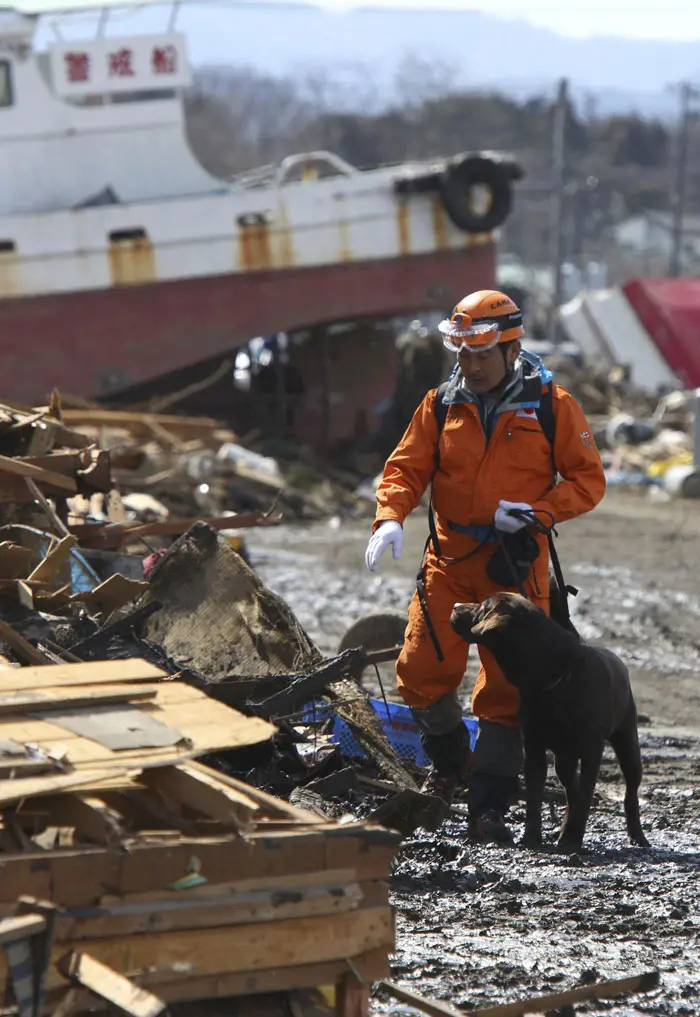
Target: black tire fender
[{"x": 461, "y": 176}]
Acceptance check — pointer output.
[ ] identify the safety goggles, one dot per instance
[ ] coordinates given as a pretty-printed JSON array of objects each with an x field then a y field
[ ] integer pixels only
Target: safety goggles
[{"x": 462, "y": 332}]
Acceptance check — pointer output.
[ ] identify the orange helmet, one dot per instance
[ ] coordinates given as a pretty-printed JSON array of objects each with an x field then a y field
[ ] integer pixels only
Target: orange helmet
[{"x": 482, "y": 320}]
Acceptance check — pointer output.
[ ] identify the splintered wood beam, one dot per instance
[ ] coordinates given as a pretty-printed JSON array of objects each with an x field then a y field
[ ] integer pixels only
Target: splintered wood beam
[
  {"x": 270, "y": 805},
  {"x": 97, "y": 672},
  {"x": 20, "y": 927},
  {"x": 49, "y": 567},
  {"x": 187, "y": 914},
  {"x": 27, "y": 653},
  {"x": 36, "y": 473},
  {"x": 204, "y": 794},
  {"x": 48, "y": 508},
  {"x": 92, "y": 818},
  {"x": 34, "y": 700},
  {"x": 113, "y": 987},
  {"x": 534, "y": 1004}
]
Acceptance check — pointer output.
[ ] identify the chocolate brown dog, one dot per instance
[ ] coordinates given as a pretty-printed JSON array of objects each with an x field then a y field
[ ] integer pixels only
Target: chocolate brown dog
[{"x": 573, "y": 699}]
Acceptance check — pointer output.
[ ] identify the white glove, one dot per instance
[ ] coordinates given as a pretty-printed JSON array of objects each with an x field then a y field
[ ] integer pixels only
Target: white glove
[
  {"x": 507, "y": 523},
  {"x": 390, "y": 532}
]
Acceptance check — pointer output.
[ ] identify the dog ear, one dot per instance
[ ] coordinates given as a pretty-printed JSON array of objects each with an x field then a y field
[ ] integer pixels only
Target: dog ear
[{"x": 488, "y": 626}]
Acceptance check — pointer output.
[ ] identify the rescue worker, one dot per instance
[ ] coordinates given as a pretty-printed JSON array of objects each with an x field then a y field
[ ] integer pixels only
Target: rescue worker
[{"x": 490, "y": 458}]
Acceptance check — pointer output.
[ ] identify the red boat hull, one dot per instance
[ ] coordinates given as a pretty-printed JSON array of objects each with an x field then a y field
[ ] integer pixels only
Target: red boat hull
[{"x": 95, "y": 343}]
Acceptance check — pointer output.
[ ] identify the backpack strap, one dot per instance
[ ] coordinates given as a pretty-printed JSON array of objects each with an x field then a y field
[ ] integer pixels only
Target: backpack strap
[
  {"x": 547, "y": 420},
  {"x": 440, "y": 410}
]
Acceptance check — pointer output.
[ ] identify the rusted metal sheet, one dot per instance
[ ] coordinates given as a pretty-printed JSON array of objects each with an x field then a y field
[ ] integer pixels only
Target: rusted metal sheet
[
  {"x": 131, "y": 258},
  {"x": 254, "y": 252},
  {"x": 404, "y": 232}
]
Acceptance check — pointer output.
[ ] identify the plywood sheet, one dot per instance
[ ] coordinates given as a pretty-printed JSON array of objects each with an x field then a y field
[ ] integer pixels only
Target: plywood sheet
[{"x": 205, "y": 725}]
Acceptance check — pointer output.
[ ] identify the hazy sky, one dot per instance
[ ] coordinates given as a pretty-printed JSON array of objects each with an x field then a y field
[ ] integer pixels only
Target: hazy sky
[{"x": 640, "y": 19}]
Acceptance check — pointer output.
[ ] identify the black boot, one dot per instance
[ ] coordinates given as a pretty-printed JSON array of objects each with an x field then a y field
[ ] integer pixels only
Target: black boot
[
  {"x": 451, "y": 756},
  {"x": 493, "y": 784}
]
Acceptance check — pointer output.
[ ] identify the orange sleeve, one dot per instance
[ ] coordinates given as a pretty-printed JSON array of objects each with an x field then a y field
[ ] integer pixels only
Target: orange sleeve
[
  {"x": 409, "y": 468},
  {"x": 582, "y": 483}
]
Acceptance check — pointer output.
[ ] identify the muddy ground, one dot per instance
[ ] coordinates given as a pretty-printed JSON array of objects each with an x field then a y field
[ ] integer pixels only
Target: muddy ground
[{"x": 480, "y": 925}]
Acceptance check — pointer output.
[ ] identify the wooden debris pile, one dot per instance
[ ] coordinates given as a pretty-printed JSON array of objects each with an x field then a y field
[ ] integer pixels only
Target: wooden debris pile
[
  {"x": 133, "y": 876},
  {"x": 64, "y": 521},
  {"x": 168, "y": 465}
]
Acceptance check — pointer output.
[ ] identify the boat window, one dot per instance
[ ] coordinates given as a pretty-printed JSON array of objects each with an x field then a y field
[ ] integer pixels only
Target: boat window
[{"x": 6, "y": 96}]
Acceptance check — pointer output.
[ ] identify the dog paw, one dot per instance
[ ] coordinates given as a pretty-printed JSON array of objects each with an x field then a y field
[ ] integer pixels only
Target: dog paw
[{"x": 641, "y": 841}]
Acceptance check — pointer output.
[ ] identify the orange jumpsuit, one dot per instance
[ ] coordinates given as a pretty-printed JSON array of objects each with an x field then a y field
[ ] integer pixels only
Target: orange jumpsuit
[{"x": 473, "y": 476}]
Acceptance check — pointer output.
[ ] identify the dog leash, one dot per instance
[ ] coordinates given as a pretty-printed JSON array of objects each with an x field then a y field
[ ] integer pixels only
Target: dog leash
[{"x": 530, "y": 517}]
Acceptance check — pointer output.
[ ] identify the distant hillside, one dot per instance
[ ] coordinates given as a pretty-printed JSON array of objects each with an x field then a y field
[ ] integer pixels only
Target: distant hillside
[{"x": 474, "y": 49}]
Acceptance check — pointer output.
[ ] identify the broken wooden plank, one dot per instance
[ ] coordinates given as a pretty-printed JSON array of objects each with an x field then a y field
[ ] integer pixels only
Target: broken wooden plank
[
  {"x": 433, "y": 1007},
  {"x": 98, "y": 672},
  {"x": 188, "y": 913},
  {"x": 29, "y": 787},
  {"x": 139, "y": 422},
  {"x": 23, "y": 649},
  {"x": 106, "y": 535},
  {"x": 195, "y": 725},
  {"x": 244, "y": 948},
  {"x": 204, "y": 793},
  {"x": 20, "y": 468},
  {"x": 106, "y": 983},
  {"x": 112, "y": 594},
  {"x": 534, "y": 1004},
  {"x": 48, "y": 508},
  {"x": 33, "y": 700},
  {"x": 282, "y": 884},
  {"x": 48, "y": 569},
  {"x": 271, "y": 805},
  {"x": 373, "y": 965},
  {"x": 91, "y": 818},
  {"x": 20, "y": 927}
]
